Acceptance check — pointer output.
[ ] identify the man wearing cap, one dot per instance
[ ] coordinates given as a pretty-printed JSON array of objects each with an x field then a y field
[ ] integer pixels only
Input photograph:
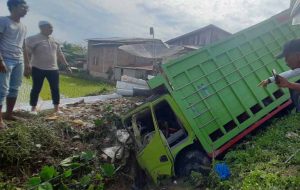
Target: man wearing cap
[
  {"x": 291, "y": 53},
  {"x": 44, "y": 52},
  {"x": 12, "y": 57}
]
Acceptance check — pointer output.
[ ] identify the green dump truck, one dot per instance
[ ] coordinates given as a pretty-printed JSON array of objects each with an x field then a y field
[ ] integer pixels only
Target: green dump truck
[{"x": 208, "y": 100}]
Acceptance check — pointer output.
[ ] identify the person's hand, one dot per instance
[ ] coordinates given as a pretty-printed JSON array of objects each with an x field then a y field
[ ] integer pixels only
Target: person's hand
[
  {"x": 27, "y": 71},
  {"x": 69, "y": 70},
  {"x": 263, "y": 83},
  {"x": 2, "y": 67},
  {"x": 282, "y": 82}
]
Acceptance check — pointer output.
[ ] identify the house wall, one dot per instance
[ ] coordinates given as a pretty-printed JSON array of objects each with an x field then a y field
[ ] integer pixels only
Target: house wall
[{"x": 103, "y": 58}]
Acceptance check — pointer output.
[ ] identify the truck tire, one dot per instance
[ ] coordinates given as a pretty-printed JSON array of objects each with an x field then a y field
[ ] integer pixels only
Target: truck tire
[{"x": 193, "y": 160}]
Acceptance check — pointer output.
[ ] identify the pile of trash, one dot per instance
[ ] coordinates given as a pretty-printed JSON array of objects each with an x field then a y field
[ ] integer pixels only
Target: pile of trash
[{"x": 99, "y": 124}]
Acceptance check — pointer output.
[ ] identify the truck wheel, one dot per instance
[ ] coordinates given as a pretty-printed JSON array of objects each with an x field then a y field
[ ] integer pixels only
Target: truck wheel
[{"x": 193, "y": 160}]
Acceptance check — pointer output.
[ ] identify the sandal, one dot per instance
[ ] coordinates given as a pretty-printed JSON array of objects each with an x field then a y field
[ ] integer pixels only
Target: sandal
[{"x": 12, "y": 118}]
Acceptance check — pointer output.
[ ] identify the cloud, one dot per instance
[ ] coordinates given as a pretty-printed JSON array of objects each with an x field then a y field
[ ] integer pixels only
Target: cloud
[
  {"x": 232, "y": 15},
  {"x": 76, "y": 20}
]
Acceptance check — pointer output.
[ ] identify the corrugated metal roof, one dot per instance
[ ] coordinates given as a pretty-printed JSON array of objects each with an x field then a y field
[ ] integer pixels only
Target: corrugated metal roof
[
  {"x": 122, "y": 40},
  {"x": 211, "y": 26},
  {"x": 151, "y": 50},
  {"x": 137, "y": 67}
]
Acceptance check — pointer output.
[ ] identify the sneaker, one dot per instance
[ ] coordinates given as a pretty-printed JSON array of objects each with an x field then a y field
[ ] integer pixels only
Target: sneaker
[
  {"x": 33, "y": 112},
  {"x": 12, "y": 118}
]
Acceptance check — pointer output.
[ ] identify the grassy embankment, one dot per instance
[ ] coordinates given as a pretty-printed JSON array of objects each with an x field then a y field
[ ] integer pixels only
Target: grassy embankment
[
  {"x": 268, "y": 159},
  {"x": 71, "y": 87}
]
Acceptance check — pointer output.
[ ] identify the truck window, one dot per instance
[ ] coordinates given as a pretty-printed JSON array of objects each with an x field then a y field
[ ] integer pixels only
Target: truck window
[
  {"x": 169, "y": 124},
  {"x": 143, "y": 122}
]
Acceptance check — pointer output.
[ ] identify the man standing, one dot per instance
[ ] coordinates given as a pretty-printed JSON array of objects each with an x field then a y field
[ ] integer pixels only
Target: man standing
[
  {"x": 291, "y": 53},
  {"x": 12, "y": 57},
  {"x": 43, "y": 53}
]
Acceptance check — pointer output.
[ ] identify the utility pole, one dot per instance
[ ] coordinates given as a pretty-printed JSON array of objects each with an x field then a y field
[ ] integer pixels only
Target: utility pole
[
  {"x": 152, "y": 32},
  {"x": 155, "y": 66}
]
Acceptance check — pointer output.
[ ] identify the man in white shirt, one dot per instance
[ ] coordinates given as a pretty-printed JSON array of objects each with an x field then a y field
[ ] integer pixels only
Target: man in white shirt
[{"x": 44, "y": 52}]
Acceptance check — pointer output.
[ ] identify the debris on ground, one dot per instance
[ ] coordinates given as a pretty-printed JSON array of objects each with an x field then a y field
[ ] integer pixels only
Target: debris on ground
[
  {"x": 86, "y": 148},
  {"x": 48, "y": 138},
  {"x": 130, "y": 86}
]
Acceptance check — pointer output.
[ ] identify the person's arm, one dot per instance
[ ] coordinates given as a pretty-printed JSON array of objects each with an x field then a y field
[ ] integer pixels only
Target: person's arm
[
  {"x": 284, "y": 83},
  {"x": 287, "y": 74},
  {"x": 2, "y": 64},
  {"x": 61, "y": 58},
  {"x": 28, "y": 46},
  {"x": 27, "y": 69}
]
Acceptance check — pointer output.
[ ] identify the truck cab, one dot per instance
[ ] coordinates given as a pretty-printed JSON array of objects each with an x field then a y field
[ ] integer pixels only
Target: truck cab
[{"x": 162, "y": 135}]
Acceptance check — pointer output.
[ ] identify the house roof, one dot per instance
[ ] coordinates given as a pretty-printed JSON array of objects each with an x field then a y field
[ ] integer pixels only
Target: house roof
[
  {"x": 137, "y": 67},
  {"x": 121, "y": 40},
  {"x": 211, "y": 26}
]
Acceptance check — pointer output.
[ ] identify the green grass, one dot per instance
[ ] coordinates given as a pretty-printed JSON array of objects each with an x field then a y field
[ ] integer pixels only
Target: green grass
[
  {"x": 71, "y": 87},
  {"x": 266, "y": 160}
]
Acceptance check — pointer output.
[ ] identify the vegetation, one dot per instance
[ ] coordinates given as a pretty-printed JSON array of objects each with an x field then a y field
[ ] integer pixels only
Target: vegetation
[
  {"x": 27, "y": 148},
  {"x": 270, "y": 159},
  {"x": 71, "y": 87},
  {"x": 64, "y": 154},
  {"x": 74, "y": 52},
  {"x": 74, "y": 172},
  {"x": 48, "y": 152}
]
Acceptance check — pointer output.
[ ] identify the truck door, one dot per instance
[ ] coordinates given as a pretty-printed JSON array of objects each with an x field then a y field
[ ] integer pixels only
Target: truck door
[{"x": 154, "y": 155}]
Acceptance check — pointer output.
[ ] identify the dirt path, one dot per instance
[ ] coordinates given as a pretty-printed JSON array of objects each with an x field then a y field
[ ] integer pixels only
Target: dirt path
[{"x": 44, "y": 105}]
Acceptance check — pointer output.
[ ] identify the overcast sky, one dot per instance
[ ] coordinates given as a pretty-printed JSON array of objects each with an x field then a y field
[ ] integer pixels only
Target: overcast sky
[{"x": 77, "y": 20}]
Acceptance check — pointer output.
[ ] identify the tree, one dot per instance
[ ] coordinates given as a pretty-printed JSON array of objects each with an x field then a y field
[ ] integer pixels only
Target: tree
[{"x": 74, "y": 52}]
